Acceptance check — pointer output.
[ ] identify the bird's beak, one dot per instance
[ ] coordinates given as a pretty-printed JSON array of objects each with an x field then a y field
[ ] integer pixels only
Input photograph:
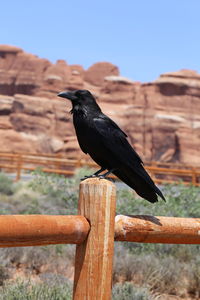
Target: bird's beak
[{"x": 68, "y": 95}]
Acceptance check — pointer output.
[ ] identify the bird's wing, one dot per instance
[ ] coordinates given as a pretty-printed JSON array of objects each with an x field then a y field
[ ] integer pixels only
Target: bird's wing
[{"x": 115, "y": 140}]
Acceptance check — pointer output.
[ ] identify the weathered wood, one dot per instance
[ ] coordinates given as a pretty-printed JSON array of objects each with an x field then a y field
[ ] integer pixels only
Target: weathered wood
[
  {"x": 149, "y": 229},
  {"x": 36, "y": 230},
  {"x": 33, "y": 230},
  {"x": 93, "y": 263}
]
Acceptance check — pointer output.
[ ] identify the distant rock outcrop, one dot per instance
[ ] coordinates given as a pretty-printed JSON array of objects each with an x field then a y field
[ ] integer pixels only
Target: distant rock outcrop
[{"x": 161, "y": 118}]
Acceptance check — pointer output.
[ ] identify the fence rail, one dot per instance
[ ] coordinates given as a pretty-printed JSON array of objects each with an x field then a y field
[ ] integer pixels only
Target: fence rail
[
  {"x": 94, "y": 230},
  {"x": 39, "y": 230},
  {"x": 160, "y": 172}
]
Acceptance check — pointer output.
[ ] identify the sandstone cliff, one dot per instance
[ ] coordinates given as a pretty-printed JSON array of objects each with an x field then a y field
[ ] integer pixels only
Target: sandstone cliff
[{"x": 162, "y": 118}]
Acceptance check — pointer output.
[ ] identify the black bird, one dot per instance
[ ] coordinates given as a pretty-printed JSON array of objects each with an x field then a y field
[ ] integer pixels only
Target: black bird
[{"x": 106, "y": 143}]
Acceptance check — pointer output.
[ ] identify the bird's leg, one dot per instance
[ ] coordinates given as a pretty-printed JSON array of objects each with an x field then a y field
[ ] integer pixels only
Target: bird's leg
[
  {"x": 96, "y": 174},
  {"x": 103, "y": 176}
]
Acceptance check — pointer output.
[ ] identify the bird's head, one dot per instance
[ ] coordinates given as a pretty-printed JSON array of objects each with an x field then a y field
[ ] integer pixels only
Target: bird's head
[
  {"x": 80, "y": 99},
  {"x": 78, "y": 96}
]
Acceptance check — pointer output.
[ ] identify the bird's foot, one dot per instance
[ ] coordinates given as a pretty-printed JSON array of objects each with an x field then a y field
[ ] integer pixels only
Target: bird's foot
[
  {"x": 104, "y": 176},
  {"x": 107, "y": 178},
  {"x": 90, "y": 176},
  {"x": 96, "y": 174}
]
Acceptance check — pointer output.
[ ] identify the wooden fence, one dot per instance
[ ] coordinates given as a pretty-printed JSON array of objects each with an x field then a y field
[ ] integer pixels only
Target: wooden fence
[
  {"x": 94, "y": 230},
  {"x": 160, "y": 172}
]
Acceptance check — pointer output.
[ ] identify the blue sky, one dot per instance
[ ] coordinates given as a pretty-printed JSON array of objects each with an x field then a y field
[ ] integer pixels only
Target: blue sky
[{"x": 143, "y": 38}]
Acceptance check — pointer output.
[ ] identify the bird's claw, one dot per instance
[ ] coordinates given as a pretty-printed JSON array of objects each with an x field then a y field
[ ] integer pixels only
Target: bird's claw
[
  {"x": 107, "y": 178},
  {"x": 89, "y": 176}
]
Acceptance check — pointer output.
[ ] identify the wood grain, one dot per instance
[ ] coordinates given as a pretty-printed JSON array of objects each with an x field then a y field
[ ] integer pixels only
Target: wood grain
[
  {"x": 150, "y": 229},
  {"x": 94, "y": 258},
  {"x": 36, "y": 230}
]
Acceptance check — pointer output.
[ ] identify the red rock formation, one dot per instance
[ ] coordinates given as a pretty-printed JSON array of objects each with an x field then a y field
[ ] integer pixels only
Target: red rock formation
[
  {"x": 162, "y": 118},
  {"x": 97, "y": 72}
]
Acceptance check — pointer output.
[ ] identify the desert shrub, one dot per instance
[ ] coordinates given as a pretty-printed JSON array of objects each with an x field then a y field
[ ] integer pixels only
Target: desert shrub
[
  {"x": 181, "y": 201},
  {"x": 161, "y": 274},
  {"x": 43, "y": 194},
  {"x": 4, "y": 275},
  {"x": 194, "y": 278},
  {"x": 6, "y": 184},
  {"x": 128, "y": 291},
  {"x": 59, "y": 195},
  {"x": 27, "y": 290},
  {"x": 33, "y": 260}
]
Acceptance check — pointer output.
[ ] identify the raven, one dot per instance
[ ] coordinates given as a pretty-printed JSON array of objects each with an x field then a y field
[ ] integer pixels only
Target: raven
[{"x": 108, "y": 146}]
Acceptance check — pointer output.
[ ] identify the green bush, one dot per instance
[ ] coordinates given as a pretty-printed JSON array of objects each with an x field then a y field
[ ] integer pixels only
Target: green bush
[
  {"x": 59, "y": 195},
  {"x": 128, "y": 291},
  {"x": 181, "y": 201},
  {"x": 6, "y": 185},
  {"x": 26, "y": 290}
]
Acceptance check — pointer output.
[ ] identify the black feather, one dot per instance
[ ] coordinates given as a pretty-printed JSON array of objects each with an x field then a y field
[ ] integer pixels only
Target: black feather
[{"x": 108, "y": 146}]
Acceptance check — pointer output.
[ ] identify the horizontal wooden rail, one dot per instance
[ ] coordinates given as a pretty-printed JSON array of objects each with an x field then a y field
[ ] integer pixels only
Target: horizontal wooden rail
[
  {"x": 51, "y": 163},
  {"x": 170, "y": 171},
  {"x": 46, "y": 170},
  {"x": 51, "y": 156},
  {"x": 166, "y": 181},
  {"x": 36, "y": 230},
  {"x": 150, "y": 229},
  {"x": 40, "y": 161}
]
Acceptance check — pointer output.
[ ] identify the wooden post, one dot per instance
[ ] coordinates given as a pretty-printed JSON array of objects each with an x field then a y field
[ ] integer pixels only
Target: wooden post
[
  {"x": 19, "y": 165},
  {"x": 58, "y": 163},
  {"x": 194, "y": 181},
  {"x": 94, "y": 257}
]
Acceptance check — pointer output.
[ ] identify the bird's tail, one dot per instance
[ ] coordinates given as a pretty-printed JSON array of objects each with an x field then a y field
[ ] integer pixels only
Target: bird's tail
[{"x": 143, "y": 185}]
